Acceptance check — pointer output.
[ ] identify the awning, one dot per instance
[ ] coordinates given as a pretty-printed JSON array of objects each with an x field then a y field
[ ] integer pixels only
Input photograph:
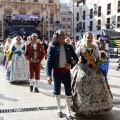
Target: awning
[{"x": 110, "y": 33}]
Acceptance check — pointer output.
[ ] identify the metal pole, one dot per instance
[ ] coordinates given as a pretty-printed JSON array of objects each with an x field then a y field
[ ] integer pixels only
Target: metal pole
[{"x": 48, "y": 25}]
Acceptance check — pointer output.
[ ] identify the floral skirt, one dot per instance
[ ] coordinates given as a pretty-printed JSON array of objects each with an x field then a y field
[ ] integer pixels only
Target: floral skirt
[
  {"x": 90, "y": 92},
  {"x": 17, "y": 69}
]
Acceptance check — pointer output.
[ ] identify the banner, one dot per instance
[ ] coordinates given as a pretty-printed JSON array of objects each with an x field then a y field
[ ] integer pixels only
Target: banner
[
  {"x": 25, "y": 16},
  {"x": 58, "y": 26}
]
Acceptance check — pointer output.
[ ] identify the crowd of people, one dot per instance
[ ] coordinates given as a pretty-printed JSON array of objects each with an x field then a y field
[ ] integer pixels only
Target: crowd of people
[{"x": 74, "y": 64}]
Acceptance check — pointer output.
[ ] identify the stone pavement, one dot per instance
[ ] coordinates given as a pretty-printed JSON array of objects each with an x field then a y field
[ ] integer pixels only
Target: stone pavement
[{"x": 18, "y": 103}]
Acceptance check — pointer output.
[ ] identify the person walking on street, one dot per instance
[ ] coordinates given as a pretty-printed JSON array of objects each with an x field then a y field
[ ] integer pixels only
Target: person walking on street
[
  {"x": 34, "y": 53},
  {"x": 61, "y": 56}
]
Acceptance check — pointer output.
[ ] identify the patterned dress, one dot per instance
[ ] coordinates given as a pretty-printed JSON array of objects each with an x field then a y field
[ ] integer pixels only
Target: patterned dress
[
  {"x": 17, "y": 70},
  {"x": 90, "y": 92}
]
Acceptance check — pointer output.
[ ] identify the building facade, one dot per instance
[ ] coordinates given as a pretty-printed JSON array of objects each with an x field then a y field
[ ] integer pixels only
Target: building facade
[
  {"x": 66, "y": 19},
  {"x": 94, "y": 16},
  {"x": 48, "y": 12}
]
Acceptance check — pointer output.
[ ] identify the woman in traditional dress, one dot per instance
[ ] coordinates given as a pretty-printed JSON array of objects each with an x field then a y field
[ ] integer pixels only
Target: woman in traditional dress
[
  {"x": 7, "y": 47},
  {"x": 3, "y": 50},
  {"x": 91, "y": 95},
  {"x": 17, "y": 70}
]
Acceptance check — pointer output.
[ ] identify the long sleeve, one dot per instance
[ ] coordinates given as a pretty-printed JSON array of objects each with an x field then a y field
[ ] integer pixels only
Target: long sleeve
[
  {"x": 26, "y": 53},
  {"x": 42, "y": 52},
  {"x": 74, "y": 55},
  {"x": 49, "y": 62}
]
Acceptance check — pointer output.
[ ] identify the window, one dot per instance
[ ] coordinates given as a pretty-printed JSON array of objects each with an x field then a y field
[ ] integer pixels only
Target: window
[
  {"x": 77, "y": 29},
  {"x": 99, "y": 25},
  {"x": 84, "y": 2},
  {"x": 63, "y": 26},
  {"x": 108, "y": 23},
  {"x": 77, "y": 16},
  {"x": 50, "y": 1},
  {"x": 78, "y": 3},
  {"x": 63, "y": 19},
  {"x": 109, "y": 9},
  {"x": 98, "y": 36},
  {"x": 77, "y": 37},
  {"x": 118, "y": 6},
  {"x": 91, "y": 13},
  {"x": 84, "y": 26},
  {"x": 68, "y": 27},
  {"x": 99, "y": 11},
  {"x": 91, "y": 26},
  {"x": 68, "y": 19},
  {"x": 83, "y": 15},
  {"x": 118, "y": 21}
]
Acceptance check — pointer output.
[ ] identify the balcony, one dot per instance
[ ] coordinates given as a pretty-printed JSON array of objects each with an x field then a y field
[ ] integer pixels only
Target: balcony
[
  {"x": 90, "y": 28},
  {"x": 118, "y": 9},
  {"x": 118, "y": 24},
  {"x": 91, "y": 15},
  {"x": 99, "y": 14},
  {"x": 107, "y": 26},
  {"x": 83, "y": 17},
  {"x": 109, "y": 12},
  {"x": 77, "y": 18},
  {"x": 76, "y": 29},
  {"x": 98, "y": 27}
]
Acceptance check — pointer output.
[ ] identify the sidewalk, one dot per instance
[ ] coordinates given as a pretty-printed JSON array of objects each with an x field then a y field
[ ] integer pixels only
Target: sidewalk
[{"x": 20, "y": 104}]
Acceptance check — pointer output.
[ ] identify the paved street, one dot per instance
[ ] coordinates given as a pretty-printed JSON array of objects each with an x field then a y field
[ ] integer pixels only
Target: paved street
[{"x": 19, "y": 104}]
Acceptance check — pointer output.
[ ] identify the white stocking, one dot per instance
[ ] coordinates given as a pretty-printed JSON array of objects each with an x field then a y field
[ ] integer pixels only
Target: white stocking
[
  {"x": 35, "y": 83},
  {"x": 68, "y": 105},
  {"x": 31, "y": 82},
  {"x": 57, "y": 97}
]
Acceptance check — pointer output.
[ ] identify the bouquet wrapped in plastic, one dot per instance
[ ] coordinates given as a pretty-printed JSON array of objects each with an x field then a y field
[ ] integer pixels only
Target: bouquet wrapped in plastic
[{"x": 8, "y": 54}]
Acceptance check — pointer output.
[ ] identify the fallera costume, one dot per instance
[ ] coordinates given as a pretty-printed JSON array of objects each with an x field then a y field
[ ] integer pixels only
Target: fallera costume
[
  {"x": 90, "y": 93},
  {"x": 17, "y": 70}
]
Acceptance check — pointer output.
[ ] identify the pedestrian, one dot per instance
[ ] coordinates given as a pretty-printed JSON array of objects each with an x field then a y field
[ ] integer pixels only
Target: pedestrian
[
  {"x": 34, "y": 53},
  {"x": 61, "y": 56},
  {"x": 7, "y": 47},
  {"x": 118, "y": 67},
  {"x": 28, "y": 40},
  {"x": 17, "y": 70},
  {"x": 91, "y": 95}
]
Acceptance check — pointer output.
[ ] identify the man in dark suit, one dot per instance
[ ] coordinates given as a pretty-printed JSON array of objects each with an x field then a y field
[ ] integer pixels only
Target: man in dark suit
[{"x": 61, "y": 56}]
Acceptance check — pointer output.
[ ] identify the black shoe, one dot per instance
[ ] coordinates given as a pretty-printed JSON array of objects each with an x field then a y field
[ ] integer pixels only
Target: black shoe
[
  {"x": 60, "y": 114},
  {"x": 36, "y": 89},
  {"x": 69, "y": 117},
  {"x": 31, "y": 88}
]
